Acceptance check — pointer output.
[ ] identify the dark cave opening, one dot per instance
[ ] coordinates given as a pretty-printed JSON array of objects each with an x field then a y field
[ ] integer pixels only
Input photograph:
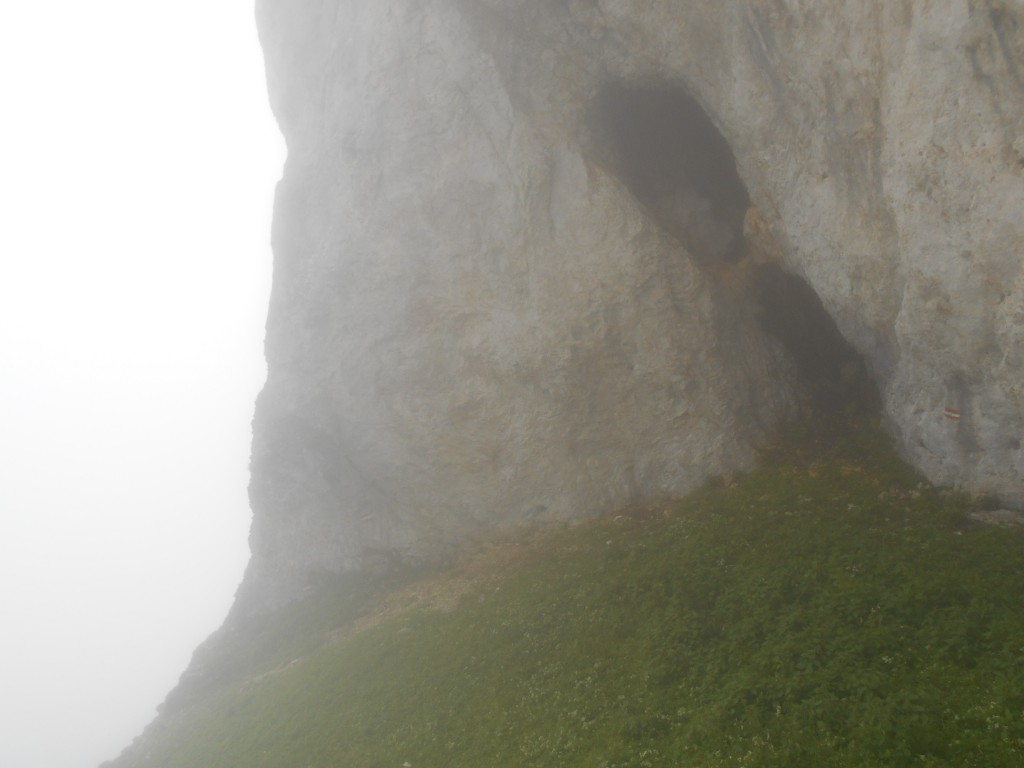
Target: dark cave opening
[
  {"x": 834, "y": 376},
  {"x": 670, "y": 155},
  {"x": 668, "y": 152}
]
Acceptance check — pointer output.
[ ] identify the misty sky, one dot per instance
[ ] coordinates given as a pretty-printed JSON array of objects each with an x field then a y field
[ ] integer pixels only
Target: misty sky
[{"x": 138, "y": 159}]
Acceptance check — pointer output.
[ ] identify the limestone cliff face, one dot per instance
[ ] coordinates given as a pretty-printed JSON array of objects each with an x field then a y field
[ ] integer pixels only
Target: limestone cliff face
[{"x": 525, "y": 253}]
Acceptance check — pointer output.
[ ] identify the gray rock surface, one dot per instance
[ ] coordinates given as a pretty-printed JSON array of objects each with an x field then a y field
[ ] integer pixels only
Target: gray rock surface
[
  {"x": 490, "y": 307},
  {"x": 1002, "y": 517}
]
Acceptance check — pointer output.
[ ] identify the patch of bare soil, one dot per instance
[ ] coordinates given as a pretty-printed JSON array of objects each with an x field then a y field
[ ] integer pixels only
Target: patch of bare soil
[{"x": 444, "y": 591}]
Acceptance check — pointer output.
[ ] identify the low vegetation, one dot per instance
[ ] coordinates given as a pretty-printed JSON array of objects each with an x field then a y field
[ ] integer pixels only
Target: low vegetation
[{"x": 828, "y": 609}]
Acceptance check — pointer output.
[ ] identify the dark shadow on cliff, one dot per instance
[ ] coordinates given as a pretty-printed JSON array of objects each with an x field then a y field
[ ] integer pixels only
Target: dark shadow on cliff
[
  {"x": 668, "y": 152},
  {"x": 670, "y": 155},
  {"x": 832, "y": 372}
]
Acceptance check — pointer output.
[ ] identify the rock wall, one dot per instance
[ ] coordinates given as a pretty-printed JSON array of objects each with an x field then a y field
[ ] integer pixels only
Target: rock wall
[{"x": 491, "y": 305}]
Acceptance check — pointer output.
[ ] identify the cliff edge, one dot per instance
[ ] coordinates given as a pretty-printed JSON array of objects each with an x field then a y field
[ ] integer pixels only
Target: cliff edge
[{"x": 536, "y": 260}]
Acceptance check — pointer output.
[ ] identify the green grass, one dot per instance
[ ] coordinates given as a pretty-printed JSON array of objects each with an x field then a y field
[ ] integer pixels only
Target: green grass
[{"x": 826, "y": 612}]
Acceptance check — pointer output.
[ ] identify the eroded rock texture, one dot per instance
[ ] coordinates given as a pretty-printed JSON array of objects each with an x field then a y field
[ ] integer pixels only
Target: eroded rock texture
[{"x": 535, "y": 258}]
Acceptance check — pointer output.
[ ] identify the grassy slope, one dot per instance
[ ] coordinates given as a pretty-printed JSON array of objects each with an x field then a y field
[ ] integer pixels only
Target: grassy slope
[{"x": 833, "y": 612}]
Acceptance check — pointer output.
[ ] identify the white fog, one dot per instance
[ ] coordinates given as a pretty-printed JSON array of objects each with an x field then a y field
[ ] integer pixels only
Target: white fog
[{"x": 139, "y": 158}]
